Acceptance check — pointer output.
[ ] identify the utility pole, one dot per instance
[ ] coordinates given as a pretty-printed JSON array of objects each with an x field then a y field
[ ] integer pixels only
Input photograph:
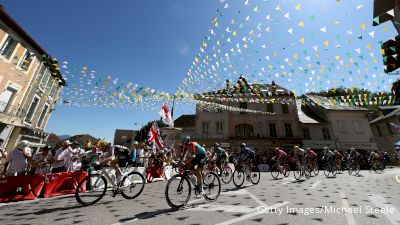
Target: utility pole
[{"x": 173, "y": 104}]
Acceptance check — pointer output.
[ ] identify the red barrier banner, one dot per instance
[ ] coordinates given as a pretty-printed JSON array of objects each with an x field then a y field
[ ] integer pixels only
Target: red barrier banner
[
  {"x": 20, "y": 188},
  {"x": 62, "y": 183}
]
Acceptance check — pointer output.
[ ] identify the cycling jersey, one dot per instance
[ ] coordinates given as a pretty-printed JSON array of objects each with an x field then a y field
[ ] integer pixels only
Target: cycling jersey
[
  {"x": 338, "y": 155},
  {"x": 354, "y": 155},
  {"x": 311, "y": 154},
  {"x": 220, "y": 153},
  {"x": 248, "y": 153},
  {"x": 281, "y": 154},
  {"x": 200, "y": 154}
]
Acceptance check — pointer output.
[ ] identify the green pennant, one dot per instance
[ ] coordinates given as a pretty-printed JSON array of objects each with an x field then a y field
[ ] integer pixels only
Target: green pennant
[
  {"x": 376, "y": 20},
  {"x": 312, "y": 17},
  {"x": 360, "y": 37}
]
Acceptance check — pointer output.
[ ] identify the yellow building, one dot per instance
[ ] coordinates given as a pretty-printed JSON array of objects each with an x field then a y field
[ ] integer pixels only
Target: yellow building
[{"x": 29, "y": 84}]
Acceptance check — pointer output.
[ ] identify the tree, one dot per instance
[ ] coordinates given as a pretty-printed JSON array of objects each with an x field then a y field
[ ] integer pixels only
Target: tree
[{"x": 142, "y": 134}]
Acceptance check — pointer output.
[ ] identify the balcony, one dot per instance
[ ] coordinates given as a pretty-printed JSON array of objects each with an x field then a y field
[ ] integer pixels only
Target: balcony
[{"x": 11, "y": 114}]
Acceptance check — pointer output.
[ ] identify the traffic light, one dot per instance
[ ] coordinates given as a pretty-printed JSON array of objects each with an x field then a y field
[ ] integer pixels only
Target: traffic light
[
  {"x": 396, "y": 92},
  {"x": 391, "y": 54}
]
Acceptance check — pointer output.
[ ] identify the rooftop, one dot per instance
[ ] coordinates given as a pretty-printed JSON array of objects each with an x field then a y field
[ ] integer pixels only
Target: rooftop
[
  {"x": 329, "y": 105},
  {"x": 185, "y": 121},
  {"x": 306, "y": 115},
  {"x": 393, "y": 113},
  {"x": 242, "y": 87}
]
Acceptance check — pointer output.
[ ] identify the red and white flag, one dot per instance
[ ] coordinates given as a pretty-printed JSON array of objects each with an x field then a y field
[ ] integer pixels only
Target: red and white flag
[
  {"x": 166, "y": 114},
  {"x": 155, "y": 137}
]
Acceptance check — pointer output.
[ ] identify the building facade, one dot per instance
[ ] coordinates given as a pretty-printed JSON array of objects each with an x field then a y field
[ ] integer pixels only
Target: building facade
[
  {"x": 264, "y": 116},
  {"x": 124, "y": 137},
  {"x": 339, "y": 127},
  {"x": 384, "y": 129},
  {"x": 29, "y": 84}
]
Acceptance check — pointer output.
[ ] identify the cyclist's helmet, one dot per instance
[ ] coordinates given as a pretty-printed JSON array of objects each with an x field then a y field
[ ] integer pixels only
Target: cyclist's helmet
[
  {"x": 243, "y": 145},
  {"x": 308, "y": 149},
  {"x": 216, "y": 145},
  {"x": 352, "y": 149},
  {"x": 276, "y": 149},
  {"x": 326, "y": 149},
  {"x": 186, "y": 140}
]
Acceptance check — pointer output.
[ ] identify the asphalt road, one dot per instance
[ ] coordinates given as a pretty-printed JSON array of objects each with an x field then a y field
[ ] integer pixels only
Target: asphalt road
[{"x": 372, "y": 198}]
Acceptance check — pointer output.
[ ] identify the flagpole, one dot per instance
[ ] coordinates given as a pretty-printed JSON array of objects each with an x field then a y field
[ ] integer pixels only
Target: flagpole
[{"x": 173, "y": 104}]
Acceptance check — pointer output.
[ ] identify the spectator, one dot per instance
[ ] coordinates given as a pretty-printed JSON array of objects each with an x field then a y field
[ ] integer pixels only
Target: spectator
[
  {"x": 41, "y": 161},
  {"x": 134, "y": 152},
  {"x": 63, "y": 158},
  {"x": 140, "y": 155},
  {"x": 397, "y": 155},
  {"x": 17, "y": 162},
  {"x": 147, "y": 156},
  {"x": 3, "y": 153}
]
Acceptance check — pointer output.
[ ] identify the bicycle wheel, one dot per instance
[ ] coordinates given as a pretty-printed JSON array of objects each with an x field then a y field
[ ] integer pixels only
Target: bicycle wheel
[
  {"x": 286, "y": 170},
  {"x": 274, "y": 172},
  {"x": 238, "y": 178},
  {"x": 226, "y": 175},
  {"x": 297, "y": 173},
  {"x": 351, "y": 168},
  {"x": 91, "y": 189},
  {"x": 255, "y": 175},
  {"x": 327, "y": 169},
  {"x": 208, "y": 178},
  {"x": 209, "y": 188},
  {"x": 132, "y": 185},
  {"x": 316, "y": 170},
  {"x": 307, "y": 172},
  {"x": 334, "y": 170},
  {"x": 357, "y": 169},
  {"x": 177, "y": 191}
]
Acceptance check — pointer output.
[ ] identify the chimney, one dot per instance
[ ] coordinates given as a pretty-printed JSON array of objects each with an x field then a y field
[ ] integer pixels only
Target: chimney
[
  {"x": 273, "y": 87},
  {"x": 228, "y": 86}
]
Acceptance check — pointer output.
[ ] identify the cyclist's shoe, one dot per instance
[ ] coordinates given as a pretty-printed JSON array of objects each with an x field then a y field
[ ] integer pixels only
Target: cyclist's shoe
[
  {"x": 248, "y": 177},
  {"x": 199, "y": 192}
]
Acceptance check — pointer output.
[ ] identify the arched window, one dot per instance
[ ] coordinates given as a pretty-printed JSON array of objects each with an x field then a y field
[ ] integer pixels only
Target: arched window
[{"x": 244, "y": 130}]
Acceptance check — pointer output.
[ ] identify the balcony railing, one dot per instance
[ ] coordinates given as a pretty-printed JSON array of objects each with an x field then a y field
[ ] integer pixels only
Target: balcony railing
[{"x": 11, "y": 110}]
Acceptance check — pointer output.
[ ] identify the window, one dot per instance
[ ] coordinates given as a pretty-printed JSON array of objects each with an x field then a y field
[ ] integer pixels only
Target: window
[
  {"x": 6, "y": 97},
  {"x": 8, "y": 47},
  {"x": 325, "y": 133},
  {"x": 342, "y": 126},
  {"x": 40, "y": 72},
  {"x": 204, "y": 128},
  {"x": 288, "y": 130},
  {"x": 270, "y": 107},
  {"x": 244, "y": 130},
  {"x": 32, "y": 110},
  {"x": 272, "y": 130},
  {"x": 45, "y": 79},
  {"x": 50, "y": 83},
  {"x": 389, "y": 127},
  {"x": 54, "y": 90},
  {"x": 42, "y": 115},
  {"x": 306, "y": 133},
  {"x": 285, "y": 109},
  {"x": 243, "y": 105},
  {"x": 219, "y": 127},
  {"x": 26, "y": 61},
  {"x": 357, "y": 126},
  {"x": 378, "y": 129}
]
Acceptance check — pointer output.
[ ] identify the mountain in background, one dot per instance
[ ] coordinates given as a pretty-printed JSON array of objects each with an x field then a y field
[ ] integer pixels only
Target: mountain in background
[{"x": 64, "y": 137}]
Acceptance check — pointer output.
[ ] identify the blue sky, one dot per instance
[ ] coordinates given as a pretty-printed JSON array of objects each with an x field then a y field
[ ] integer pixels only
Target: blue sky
[
  {"x": 149, "y": 42},
  {"x": 304, "y": 44}
]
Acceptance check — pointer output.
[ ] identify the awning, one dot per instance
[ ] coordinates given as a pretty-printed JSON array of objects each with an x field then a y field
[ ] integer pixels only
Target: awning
[{"x": 383, "y": 11}]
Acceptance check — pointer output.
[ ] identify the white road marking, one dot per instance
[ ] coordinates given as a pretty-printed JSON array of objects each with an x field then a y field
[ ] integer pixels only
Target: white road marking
[
  {"x": 349, "y": 215},
  {"x": 398, "y": 178},
  {"x": 389, "y": 210},
  {"x": 248, "y": 216},
  {"x": 224, "y": 208},
  {"x": 287, "y": 180},
  {"x": 315, "y": 185}
]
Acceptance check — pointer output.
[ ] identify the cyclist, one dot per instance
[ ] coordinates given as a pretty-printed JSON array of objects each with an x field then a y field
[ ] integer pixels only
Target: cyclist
[
  {"x": 107, "y": 158},
  {"x": 373, "y": 159},
  {"x": 195, "y": 156},
  {"x": 221, "y": 156},
  {"x": 338, "y": 158},
  {"x": 328, "y": 155},
  {"x": 299, "y": 155},
  {"x": 354, "y": 155},
  {"x": 247, "y": 156},
  {"x": 310, "y": 157}
]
